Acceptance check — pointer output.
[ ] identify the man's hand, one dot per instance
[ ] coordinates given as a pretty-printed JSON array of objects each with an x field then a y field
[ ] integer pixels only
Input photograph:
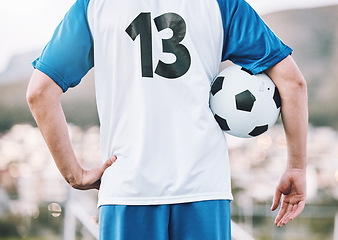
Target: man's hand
[
  {"x": 292, "y": 186},
  {"x": 91, "y": 179}
]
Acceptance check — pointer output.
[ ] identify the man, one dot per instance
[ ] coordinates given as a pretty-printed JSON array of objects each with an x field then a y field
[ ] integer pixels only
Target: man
[{"x": 154, "y": 62}]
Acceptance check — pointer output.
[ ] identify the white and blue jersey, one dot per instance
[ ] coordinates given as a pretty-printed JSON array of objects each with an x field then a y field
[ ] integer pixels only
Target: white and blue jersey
[{"x": 154, "y": 62}]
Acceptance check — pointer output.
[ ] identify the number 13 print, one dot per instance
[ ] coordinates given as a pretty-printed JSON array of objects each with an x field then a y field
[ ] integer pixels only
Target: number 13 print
[{"x": 141, "y": 25}]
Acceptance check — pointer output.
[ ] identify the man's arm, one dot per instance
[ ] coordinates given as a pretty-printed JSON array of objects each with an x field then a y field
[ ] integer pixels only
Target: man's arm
[
  {"x": 293, "y": 92},
  {"x": 43, "y": 97}
]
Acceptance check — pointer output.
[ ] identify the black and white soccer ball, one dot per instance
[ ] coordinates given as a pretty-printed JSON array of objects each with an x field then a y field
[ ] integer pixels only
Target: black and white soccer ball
[{"x": 243, "y": 104}]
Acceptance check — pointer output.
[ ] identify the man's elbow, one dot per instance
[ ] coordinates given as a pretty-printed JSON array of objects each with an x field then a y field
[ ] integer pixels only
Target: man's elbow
[
  {"x": 296, "y": 83},
  {"x": 41, "y": 89},
  {"x": 33, "y": 95},
  {"x": 287, "y": 76}
]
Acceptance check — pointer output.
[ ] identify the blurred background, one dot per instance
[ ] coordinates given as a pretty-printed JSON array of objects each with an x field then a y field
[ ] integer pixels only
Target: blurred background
[{"x": 36, "y": 203}]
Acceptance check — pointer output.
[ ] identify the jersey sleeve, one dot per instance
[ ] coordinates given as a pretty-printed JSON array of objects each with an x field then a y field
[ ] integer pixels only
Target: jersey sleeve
[
  {"x": 69, "y": 54},
  {"x": 248, "y": 41}
]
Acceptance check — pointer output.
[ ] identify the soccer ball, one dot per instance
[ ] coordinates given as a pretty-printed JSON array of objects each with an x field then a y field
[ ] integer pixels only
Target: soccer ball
[{"x": 244, "y": 105}]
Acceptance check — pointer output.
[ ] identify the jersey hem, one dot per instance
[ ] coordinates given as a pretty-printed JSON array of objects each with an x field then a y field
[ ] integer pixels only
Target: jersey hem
[
  {"x": 271, "y": 61},
  {"x": 163, "y": 201},
  {"x": 37, "y": 64}
]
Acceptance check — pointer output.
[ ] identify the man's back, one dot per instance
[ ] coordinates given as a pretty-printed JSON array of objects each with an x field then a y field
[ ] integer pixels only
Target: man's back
[{"x": 154, "y": 62}]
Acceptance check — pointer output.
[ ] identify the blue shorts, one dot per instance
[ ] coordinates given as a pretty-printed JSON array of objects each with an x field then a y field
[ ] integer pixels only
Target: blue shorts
[{"x": 187, "y": 221}]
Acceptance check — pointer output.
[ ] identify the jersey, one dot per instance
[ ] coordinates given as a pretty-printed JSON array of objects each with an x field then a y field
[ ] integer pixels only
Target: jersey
[{"x": 154, "y": 63}]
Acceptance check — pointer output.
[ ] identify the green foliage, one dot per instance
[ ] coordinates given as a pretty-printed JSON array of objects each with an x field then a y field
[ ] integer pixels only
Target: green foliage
[
  {"x": 320, "y": 227},
  {"x": 7, "y": 227},
  {"x": 44, "y": 226}
]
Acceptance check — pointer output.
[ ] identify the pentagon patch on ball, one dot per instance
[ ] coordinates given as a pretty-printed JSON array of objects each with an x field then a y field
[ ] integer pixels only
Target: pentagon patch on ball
[
  {"x": 245, "y": 101},
  {"x": 243, "y": 104}
]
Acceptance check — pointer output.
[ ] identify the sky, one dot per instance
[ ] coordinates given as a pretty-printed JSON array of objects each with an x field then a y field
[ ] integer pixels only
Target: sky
[{"x": 27, "y": 25}]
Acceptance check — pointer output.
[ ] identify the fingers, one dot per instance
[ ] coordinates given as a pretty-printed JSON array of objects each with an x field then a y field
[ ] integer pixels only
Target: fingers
[
  {"x": 276, "y": 200},
  {"x": 300, "y": 207},
  {"x": 283, "y": 210},
  {"x": 283, "y": 215},
  {"x": 97, "y": 184},
  {"x": 289, "y": 212},
  {"x": 101, "y": 169},
  {"x": 108, "y": 163},
  {"x": 294, "y": 211},
  {"x": 91, "y": 178}
]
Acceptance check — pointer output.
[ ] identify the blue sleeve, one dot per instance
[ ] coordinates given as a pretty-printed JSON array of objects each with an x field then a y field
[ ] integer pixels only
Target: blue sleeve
[
  {"x": 69, "y": 54},
  {"x": 248, "y": 41}
]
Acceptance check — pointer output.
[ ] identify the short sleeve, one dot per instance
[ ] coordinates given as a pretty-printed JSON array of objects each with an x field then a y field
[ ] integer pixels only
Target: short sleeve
[
  {"x": 69, "y": 54},
  {"x": 248, "y": 41}
]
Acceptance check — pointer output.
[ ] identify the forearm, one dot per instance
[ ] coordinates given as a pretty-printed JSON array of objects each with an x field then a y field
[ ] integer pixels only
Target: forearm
[
  {"x": 295, "y": 119},
  {"x": 47, "y": 111},
  {"x": 292, "y": 88},
  {"x": 295, "y": 124}
]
